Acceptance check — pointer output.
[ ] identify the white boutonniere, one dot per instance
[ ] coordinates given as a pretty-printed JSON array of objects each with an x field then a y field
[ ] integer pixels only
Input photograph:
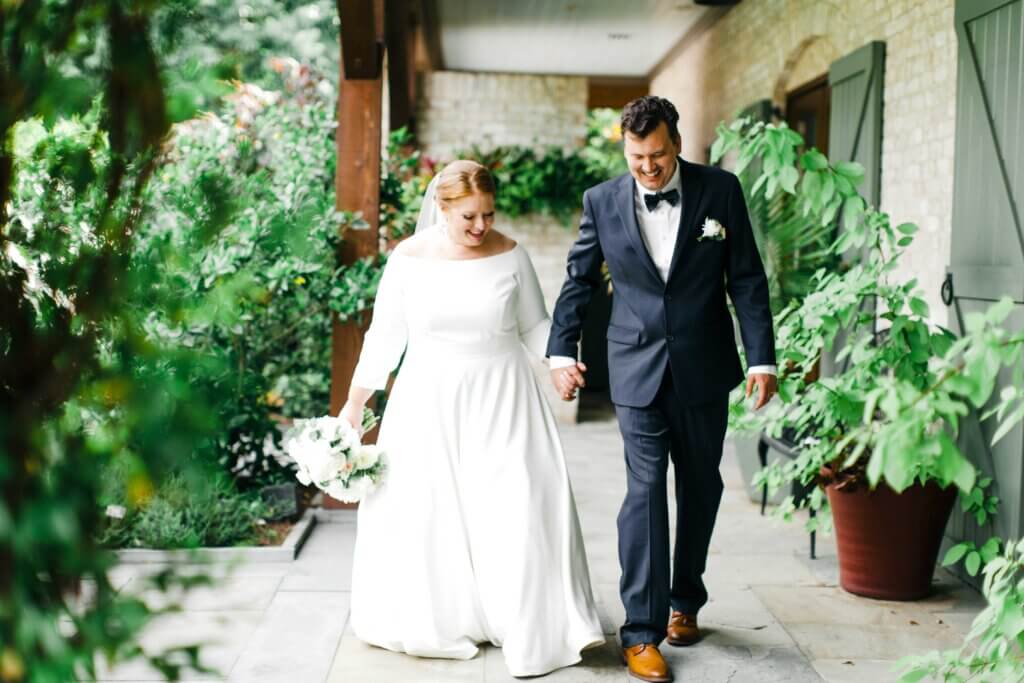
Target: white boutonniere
[{"x": 712, "y": 230}]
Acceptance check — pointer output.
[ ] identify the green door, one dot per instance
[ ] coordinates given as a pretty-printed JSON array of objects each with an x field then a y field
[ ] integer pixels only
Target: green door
[
  {"x": 855, "y": 134},
  {"x": 987, "y": 251}
]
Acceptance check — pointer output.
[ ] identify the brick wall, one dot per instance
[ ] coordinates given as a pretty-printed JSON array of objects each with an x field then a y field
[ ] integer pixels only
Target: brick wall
[
  {"x": 765, "y": 48},
  {"x": 457, "y": 110}
]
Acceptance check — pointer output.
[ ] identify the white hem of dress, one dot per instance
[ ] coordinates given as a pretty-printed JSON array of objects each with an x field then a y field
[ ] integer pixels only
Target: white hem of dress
[{"x": 590, "y": 642}]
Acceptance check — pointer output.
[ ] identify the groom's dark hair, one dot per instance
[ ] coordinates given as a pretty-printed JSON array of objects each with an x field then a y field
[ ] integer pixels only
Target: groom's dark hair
[{"x": 641, "y": 116}]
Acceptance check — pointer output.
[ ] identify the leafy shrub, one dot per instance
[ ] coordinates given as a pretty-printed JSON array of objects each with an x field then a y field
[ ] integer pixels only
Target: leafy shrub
[
  {"x": 993, "y": 651},
  {"x": 80, "y": 385},
  {"x": 264, "y": 168},
  {"x": 603, "y": 152},
  {"x": 204, "y": 45},
  {"x": 405, "y": 175},
  {"x": 554, "y": 182},
  {"x": 186, "y": 511}
]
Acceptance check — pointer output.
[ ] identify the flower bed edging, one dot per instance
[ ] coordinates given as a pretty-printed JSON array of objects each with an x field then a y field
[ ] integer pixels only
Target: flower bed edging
[{"x": 286, "y": 552}]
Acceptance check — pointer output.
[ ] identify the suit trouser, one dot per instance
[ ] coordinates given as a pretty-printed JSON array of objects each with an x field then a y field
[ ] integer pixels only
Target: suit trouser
[{"x": 692, "y": 436}]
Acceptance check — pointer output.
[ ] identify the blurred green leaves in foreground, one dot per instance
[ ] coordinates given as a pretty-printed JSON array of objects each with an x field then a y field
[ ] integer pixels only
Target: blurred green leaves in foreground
[{"x": 113, "y": 258}]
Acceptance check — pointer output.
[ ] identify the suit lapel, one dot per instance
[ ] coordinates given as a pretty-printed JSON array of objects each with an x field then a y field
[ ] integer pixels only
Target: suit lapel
[
  {"x": 692, "y": 190},
  {"x": 625, "y": 202}
]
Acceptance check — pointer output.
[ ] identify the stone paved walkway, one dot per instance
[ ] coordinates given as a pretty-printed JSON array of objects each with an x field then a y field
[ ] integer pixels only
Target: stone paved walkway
[{"x": 774, "y": 615}]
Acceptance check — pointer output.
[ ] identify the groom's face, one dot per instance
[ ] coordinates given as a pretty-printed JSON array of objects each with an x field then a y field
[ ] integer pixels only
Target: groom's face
[{"x": 652, "y": 159}]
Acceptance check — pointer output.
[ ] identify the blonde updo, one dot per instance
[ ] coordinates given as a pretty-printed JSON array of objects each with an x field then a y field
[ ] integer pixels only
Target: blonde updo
[{"x": 462, "y": 178}]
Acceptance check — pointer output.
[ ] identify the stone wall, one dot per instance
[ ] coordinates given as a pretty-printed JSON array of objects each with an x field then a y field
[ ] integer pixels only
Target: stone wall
[
  {"x": 457, "y": 110},
  {"x": 766, "y": 48}
]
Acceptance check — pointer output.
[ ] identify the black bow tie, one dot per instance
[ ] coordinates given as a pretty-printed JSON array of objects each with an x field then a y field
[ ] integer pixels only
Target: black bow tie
[{"x": 651, "y": 200}]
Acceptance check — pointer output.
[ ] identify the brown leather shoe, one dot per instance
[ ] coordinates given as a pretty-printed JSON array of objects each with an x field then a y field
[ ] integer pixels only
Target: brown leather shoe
[
  {"x": 682, "y": 629},
  {"x": 646, "y": 663}
]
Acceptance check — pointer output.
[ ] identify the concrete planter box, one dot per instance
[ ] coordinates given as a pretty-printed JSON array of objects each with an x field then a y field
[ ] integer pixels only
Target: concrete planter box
[{"x": 286, "y": 552}]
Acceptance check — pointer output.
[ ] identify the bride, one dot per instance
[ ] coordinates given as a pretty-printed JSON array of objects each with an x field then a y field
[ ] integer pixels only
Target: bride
[{"x": 473, "y": 537}]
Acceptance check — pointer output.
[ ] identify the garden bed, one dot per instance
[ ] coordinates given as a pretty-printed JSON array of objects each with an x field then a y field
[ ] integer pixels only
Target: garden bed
[{"x": 287, "y": 551}]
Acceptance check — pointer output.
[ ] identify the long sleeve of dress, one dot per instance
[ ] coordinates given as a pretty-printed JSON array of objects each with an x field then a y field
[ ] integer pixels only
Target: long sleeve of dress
[
  {"x": 385, "y": 341},
  {"x": 534, "y": 322}
]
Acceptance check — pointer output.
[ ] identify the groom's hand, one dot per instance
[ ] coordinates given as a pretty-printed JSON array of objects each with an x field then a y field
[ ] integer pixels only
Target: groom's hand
[
  {"x": 767, "y": 386},
  {"x": 568, "y": 379}
]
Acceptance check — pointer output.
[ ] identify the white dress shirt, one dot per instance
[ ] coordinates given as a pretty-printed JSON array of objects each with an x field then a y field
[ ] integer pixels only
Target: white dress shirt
[{"x": 659, "y": 228}]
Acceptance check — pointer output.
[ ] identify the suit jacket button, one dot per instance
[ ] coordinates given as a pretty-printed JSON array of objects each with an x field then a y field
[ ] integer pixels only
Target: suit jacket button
[
  {"x": 669, "y": 337},
  {"x": 668, "y": 297}
]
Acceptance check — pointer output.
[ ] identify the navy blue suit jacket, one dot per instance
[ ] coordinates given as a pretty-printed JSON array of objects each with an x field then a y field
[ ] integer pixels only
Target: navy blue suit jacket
[{"x": 683, "y": 323}]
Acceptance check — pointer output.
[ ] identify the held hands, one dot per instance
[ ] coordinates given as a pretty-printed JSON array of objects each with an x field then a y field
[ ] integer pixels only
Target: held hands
[
  {"x": 568, "y": 379},
  {"x": 767, "y": 386}
]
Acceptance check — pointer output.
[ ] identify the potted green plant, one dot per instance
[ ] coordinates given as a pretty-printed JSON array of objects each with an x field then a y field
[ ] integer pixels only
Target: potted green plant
[
  {"x": 878, "y": 439},
  {"x": 794, "y": 244}
]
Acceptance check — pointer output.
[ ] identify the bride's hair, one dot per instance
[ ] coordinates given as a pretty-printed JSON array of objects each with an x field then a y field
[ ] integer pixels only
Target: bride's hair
[{"x": 462, "y": 178}]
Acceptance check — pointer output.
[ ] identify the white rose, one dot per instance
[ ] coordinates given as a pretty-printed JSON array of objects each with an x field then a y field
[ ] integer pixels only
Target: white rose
[
  {"x": 116, "y": 511},
  {"x": 322, "y": 462},
  {"x": 339, "y": 491},
  {"x": 356, "y": 490},
  {"x": 350, "y": 438},
  {"x": 366, "y": 456},
  {"x": 336, "y": 429}
]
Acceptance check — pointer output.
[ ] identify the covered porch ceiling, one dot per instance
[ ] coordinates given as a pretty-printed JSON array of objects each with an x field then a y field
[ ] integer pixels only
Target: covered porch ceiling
[{"x": 598, "y": 38}]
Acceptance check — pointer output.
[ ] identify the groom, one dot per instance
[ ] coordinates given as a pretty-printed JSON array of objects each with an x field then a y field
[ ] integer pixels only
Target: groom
[{"x": 677, "y": 239}]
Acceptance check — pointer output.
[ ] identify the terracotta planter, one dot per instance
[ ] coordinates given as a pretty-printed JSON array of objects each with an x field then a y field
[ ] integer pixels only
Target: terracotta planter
[{"x": 888, "y": 542}]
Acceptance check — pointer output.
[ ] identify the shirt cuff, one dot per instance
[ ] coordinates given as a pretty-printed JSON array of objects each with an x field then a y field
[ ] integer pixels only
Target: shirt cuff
[
  {"x": 556, "y": 362},
  {"x": 762, "y": 370}
]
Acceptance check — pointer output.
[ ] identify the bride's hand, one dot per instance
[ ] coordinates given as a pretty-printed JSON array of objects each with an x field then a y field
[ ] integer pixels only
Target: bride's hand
[{"x": 353, "y": 414}]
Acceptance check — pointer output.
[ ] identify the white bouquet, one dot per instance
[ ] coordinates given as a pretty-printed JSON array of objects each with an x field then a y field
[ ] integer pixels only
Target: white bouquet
[{"x": 329, "y": 455}]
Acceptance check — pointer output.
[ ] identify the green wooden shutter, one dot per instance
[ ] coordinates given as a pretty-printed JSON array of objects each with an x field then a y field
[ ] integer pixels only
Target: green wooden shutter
[
  {"x": 987, "y": 250},
  {"x": 855, "y": 134},
  {"x": 855, "y": 121}
]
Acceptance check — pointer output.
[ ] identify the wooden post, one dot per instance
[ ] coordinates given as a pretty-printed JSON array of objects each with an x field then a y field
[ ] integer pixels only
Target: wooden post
[{"x": 357, "y": 179}]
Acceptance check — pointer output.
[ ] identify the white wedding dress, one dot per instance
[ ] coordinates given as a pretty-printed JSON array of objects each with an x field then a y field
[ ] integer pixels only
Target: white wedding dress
[{"x": 473, "y": 537}]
